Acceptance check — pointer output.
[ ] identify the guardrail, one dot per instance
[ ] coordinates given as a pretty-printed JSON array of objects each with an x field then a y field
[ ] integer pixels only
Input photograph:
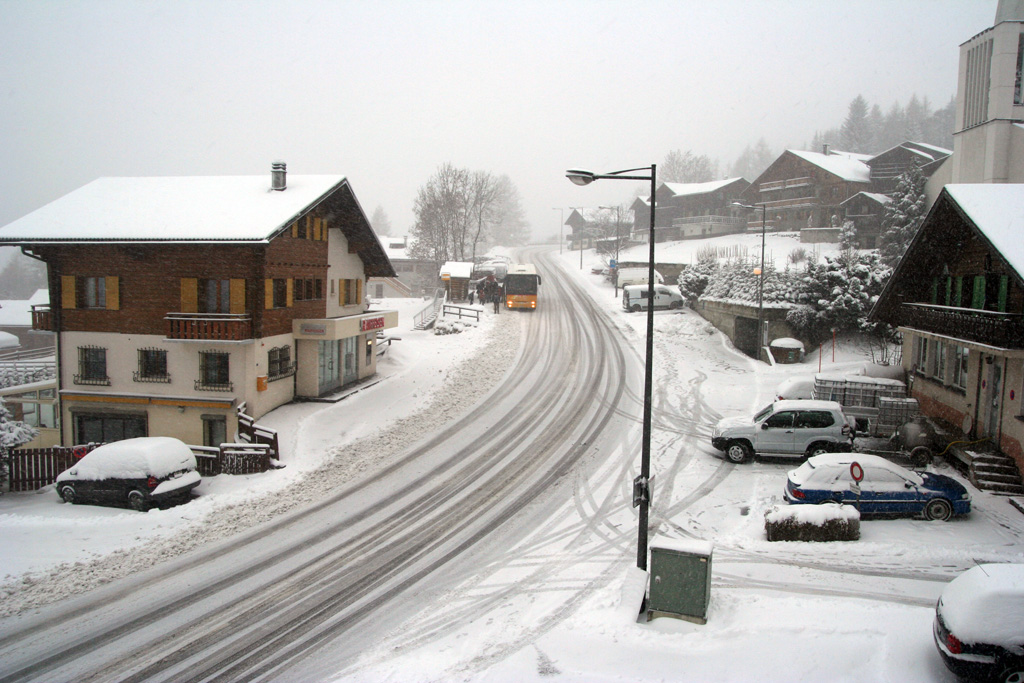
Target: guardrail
[{"x": 459, "y": 311}]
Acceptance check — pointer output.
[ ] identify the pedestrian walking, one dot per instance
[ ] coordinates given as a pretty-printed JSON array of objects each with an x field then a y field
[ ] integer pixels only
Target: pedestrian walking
[{"x": 497, "y": 298}]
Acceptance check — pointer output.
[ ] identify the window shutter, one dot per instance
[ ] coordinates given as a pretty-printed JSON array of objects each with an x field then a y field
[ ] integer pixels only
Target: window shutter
[
  {"x": 1004, "y": 283},
  {"x": 958, "y": 290},
  {"x": 113, "y": 302},
  {"x": 268, "y": 293},
  {"x": 359, "y": 292},
  {"x": 316, "y": 229},
  {"x": 290, "y": 287},
  {"x": 978, "y": 300},
  {"x": 295, "y": 229},
  {"x": 949, "y": 290},
  {"x": 341, "y": 291},
  {"x": 189, "y": 295},
  {"x": 67, "y": 291},
  {"x": 237, "y": 295},
  {"x": 935, "y": 290},
  {"x": 323, "y": 229}
]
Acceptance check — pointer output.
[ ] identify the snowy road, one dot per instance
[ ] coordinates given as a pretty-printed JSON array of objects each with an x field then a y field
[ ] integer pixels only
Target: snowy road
[{"x": 328, "y": 576}]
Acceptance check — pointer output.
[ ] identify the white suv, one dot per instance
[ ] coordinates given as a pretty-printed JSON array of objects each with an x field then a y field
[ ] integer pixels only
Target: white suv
[{"x": 791, "y": 429}]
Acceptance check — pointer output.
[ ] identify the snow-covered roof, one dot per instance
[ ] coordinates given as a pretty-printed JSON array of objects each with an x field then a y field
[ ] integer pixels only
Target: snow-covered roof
[
  {"x": 461, "y": 269},
  {"x": 185, "y": 208},
  {"x": 846, "y": 165},
  {"x": 682, "y": 189},
  {"x": 18, "y": 312},
  {"x": 998, "y": 212},
  {"x": 874, "y": 196}
]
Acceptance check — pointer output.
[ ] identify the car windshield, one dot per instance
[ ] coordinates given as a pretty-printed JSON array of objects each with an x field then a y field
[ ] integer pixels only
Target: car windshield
[{"x": 765, "y": 412}]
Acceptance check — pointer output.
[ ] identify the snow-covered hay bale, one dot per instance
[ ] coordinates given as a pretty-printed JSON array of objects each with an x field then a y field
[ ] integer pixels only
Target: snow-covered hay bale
[{"x": 812, "y": 523}]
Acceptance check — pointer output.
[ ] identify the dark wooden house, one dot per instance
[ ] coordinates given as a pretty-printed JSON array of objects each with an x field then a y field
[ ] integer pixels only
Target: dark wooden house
[{"x": 176, "y": 300}]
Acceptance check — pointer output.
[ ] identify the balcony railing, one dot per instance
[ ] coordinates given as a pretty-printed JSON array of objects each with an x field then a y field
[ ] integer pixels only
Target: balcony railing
[
  {"x": 1005, "y": 330},
  {"x": 209, "y": 326},
  {"x": 42, "y": 318},
  {"x": 776, "y": 185},
  {"x": 701, "y": 220}
]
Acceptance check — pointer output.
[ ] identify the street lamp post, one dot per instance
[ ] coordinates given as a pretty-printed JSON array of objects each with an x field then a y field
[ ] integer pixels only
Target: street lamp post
[
  {"x": 641, "y": 485},
  {"x": 760, "y": 273}
]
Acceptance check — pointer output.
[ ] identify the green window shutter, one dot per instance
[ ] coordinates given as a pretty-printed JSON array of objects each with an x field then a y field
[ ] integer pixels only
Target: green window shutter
[
  {"x": 1004, "y": 285},
  {"x": 949, "y": 290},
  {"x": 957, "y": 290},
  {"x": 978, "y": 300}
]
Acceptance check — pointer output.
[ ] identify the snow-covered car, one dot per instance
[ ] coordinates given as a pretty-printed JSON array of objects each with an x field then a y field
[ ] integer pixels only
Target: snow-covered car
[
  {"x": 795, "y": 388},
  {"x": 885, "y": 489},
  {"x": 634, "y": 297},
  {"x": 979, "y": 623},
  {"x": 137, "y": 472},
  {"x": 791, "y": 429}
]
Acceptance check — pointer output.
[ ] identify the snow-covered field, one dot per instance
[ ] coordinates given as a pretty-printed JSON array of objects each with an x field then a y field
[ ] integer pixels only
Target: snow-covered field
[{"x": 779, "y": 611}]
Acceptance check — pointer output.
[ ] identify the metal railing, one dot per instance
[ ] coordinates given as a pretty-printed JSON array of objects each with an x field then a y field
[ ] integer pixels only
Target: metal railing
[
  {"x": 429, "y": 312},
  {"x": 1004, "y": 330}
]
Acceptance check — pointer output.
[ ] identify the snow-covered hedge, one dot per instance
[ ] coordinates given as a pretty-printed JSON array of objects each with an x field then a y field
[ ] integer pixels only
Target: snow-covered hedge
[{"x": 812, "y": 523}]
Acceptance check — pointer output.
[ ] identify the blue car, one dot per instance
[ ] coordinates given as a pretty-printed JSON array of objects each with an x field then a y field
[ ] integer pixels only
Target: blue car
[{"x": 885, "y": 489}]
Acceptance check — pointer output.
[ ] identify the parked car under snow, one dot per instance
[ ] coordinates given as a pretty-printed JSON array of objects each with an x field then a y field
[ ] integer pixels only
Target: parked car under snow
[
  {"x": 886, "y": 488},
  {"x": 979, "y": 623},
  {"x": 139, "y": 473}
]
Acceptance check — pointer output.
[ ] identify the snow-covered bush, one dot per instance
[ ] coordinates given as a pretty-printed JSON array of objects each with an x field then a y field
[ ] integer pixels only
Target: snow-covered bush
[
  {"x": 12, "y": 434},
  {"x": 737, "y": 280},
  {"x": 812, "y": 523},
  {"x": 694, "y": 280},
  {"x": 444, "y": 326}
]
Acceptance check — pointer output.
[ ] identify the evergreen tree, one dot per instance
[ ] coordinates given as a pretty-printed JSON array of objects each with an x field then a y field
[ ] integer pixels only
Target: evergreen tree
[
  {"x": 12, "y": 434},
  {"x": 902, "y": 216},
  {"x": 855, "y": 134},
  {"x": 380, "y": 222}
]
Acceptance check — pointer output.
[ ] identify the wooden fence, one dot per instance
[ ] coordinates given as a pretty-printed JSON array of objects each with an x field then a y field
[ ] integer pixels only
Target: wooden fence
[
  {"x": 34, "y": 468},
  {"x": 257, "y": 451}
]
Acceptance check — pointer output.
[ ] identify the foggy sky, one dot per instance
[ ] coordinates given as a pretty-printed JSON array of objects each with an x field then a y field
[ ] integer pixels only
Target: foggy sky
[{"x": 384, "y": 92}]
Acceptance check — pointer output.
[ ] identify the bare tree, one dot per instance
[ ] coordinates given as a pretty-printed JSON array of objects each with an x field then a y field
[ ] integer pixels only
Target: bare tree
[{"x": 685, "y": 167}]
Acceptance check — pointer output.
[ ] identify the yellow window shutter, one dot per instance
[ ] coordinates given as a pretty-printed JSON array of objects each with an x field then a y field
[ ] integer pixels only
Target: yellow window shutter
[
  {"x": 189, "y": 295},
  {"x": 290, "y": 284},
  {"x": 316, "y": 229},
  {"x": 237, "y": 295},
  {"x": 113, "y": 302},
  {"x": 323, "y": 229},
  {"x": 268, "y": 293},
  {"x": 295, "y": 229},
  {"x": 67, "y": 291},
  {"x": 341, "y": 291},
  {"x": 359, "y": 291}
]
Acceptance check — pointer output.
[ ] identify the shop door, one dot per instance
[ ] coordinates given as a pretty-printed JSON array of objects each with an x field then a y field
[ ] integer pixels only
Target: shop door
[
  {"x": 349, "y": 353},
  {"x": 328, "y": 366}
]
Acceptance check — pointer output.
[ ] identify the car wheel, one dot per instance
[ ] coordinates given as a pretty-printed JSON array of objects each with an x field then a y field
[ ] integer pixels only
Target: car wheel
[
  {"x": 137, "y": 501},
  {"x": 675, "y": 304},
  {"x": 938, "y": 509},
  {"x": 635, "y": 308},
  {"x": 737, "y": 452},
  {"x": 817, "y": 449},
  {"x": 1012, "y": 674},
  {"x": 920, "y": 456},
  {"x": 67, "y": 493}
]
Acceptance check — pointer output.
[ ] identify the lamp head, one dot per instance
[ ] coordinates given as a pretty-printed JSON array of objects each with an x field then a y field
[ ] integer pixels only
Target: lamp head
[{"x": 579, "y": 176}]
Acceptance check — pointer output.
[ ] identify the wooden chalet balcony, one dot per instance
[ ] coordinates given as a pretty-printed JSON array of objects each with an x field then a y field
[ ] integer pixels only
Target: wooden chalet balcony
[
  {"x": 776, "y": 185},
  {"x": 209, "y": 326},
  {"x": 1005, "y": 330},
  {"x": 707, "y": 220},
  {"x": 42, "y": 318}
]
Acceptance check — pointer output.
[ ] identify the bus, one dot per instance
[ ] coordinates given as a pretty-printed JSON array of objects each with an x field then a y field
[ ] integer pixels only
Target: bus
[{"x": 521, "y": 284}]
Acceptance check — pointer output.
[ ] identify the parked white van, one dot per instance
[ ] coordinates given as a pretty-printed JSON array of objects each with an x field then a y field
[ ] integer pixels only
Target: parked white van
[
  {"x": 634, "y": 297},
  {"x": 636, "y": 276}
]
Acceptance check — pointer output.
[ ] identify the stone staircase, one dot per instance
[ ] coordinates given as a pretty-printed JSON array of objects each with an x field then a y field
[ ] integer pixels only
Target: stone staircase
[{"x": 995, "y": 472}]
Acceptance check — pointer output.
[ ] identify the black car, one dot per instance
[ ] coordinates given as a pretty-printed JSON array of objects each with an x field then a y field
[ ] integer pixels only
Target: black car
[
  {"x": 979, "y": 624},
  {"x": 135, "y": 472}
]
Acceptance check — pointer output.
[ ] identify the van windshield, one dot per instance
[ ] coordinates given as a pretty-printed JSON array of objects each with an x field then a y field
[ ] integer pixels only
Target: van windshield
[{"x": 763, "y": 414}]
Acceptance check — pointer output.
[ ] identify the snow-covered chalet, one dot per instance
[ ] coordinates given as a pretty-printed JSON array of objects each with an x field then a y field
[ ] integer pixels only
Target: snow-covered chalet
[{"x": 175, "y": 300}]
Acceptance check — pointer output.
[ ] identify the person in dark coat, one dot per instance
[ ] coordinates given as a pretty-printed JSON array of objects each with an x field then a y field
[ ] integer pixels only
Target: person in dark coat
[{"x": 497, "y": 298}]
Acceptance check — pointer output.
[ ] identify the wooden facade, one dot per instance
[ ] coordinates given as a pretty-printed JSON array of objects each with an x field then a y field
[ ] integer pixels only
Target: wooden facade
[{"x": 959, "y": 302}]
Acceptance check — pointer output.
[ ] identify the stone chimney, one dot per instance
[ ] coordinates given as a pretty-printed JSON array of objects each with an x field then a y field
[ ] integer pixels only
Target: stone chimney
[{"x": 278, "y": 171}]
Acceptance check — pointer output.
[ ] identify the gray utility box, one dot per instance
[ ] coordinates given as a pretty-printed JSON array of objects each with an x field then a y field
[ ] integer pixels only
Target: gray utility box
[{"x": 680, "y": 580}]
